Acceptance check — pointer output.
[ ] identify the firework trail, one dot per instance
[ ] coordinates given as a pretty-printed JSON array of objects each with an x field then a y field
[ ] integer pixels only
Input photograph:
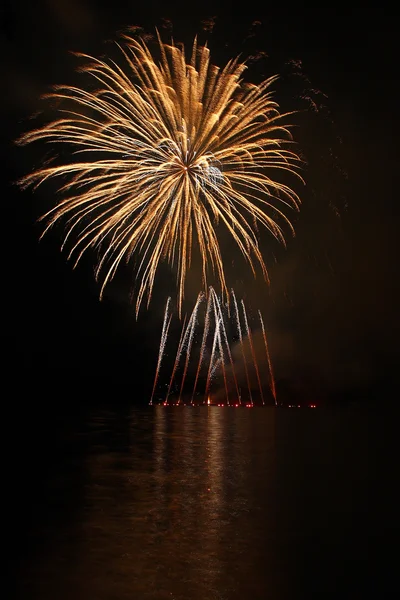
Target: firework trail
[
  {"x": 218, "y": 313},
  {"x": 164, "y": 334},
  {"x": 177, "y": 358},
  {"x": 203, "y": 342},
  {"x": 228, "y": 351},
  {"x": 191, "y": 329},
  {"x": 215, "y": 340},
  {"x": 250, "y": 337},
  {"x": 221, "y": 351},
  {"x": 271, "y": 371},
  {"x": 241, "y": 344},
  {"x": 162, "y": 150}
]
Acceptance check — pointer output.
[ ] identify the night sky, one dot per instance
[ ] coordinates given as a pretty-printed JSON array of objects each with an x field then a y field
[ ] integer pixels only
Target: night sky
[{"x": 332, "y": 308}]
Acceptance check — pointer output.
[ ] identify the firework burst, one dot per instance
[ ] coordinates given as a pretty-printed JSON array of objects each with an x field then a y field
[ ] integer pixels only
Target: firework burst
[{"x": 165, "y": 149}]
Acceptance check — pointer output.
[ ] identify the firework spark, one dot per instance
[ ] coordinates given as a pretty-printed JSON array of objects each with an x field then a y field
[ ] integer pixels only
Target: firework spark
[{"x": 164, "y": 149}]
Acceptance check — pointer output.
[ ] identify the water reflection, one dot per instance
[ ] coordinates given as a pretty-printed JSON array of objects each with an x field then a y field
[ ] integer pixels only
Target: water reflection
[
  {"x": 182, "y": 503},
  {"x": 204, "y": 496}
]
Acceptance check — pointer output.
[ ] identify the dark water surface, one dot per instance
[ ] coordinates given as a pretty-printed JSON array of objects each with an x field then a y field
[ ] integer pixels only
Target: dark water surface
[{"x": 204, "y": 504}]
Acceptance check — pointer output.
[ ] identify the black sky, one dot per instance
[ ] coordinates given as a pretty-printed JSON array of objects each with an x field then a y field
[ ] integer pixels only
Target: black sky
[{"x": 332, "y": 310}]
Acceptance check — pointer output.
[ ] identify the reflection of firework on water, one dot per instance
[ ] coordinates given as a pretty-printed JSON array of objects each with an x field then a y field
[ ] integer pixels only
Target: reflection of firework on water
[
  {"x": 167, "y": 150},
  {"x": 212, "y": 357}
]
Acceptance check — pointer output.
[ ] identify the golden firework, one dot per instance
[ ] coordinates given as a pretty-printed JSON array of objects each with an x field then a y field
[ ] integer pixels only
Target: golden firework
[{"x": 164, "y": 149}]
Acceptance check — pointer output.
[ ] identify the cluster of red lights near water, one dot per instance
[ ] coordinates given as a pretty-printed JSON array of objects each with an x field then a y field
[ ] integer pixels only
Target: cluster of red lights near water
[{"x": 181, "y": 404}]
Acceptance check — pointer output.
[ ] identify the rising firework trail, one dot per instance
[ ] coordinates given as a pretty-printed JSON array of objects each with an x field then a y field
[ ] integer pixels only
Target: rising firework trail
[
  {"x": 271, "y": 371},
  {"x": 203, "y": 342},
  {"x": 190, "y": 330},
  {"x": 250, "y": 338},
  {"x": 164, "y": 334},
  {"x": 163, "y": 147},
  {"x": 239, "y": 328},
  {"x": 178, "y": 356},
  {"x": 213, "y": 351},
  {"x": 221, "y": 352},
  {"x": 226, "y": 343}
]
